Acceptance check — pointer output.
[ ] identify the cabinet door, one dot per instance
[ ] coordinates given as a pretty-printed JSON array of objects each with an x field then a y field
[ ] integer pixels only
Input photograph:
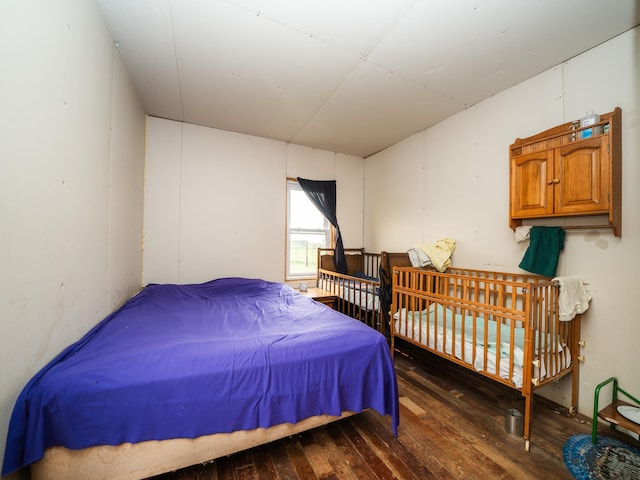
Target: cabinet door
[
  {"x": 582, "y": 177},
  {"x": 531, "y": 184}
]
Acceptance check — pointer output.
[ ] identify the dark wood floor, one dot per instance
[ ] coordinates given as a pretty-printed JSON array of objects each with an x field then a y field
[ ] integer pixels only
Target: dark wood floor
[{"x": 452, "y": 426}]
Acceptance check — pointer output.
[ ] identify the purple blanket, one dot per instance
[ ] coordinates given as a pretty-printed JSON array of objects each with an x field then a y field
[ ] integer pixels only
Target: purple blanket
[{"x": 181, "y": 361}]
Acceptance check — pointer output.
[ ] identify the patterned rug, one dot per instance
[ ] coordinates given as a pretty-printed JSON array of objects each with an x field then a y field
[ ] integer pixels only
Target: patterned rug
[{"x": 608, "y": 459}]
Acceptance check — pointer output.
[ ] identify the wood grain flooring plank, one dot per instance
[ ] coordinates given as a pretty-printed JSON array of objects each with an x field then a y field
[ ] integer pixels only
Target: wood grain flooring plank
[
  {"x": 374, "y": 462},
  {"x": 264, "y": 463},
  {"x": 341, "y": 469},
  {"x": 386, "y": 446},
  {"x": 509, "y": 460},
  {"x": 482, "y": 436},
  {"x": 350, "y": 454},
  {"x": 316, "y": 457},
  {"x": 245, "y": 466},
  {"x": 423, "y": 471},
  {"x": 282, "y": 464},
  {"x": 226, "y": 469},
  {"x": 298, "y": 459},
  {"x": 448, "y": 424},
  {"x": 417, "y": 437}
]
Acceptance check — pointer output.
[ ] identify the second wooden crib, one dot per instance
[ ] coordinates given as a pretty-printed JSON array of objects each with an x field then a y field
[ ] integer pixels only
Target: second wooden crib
[{"x": 501, "y": 325}]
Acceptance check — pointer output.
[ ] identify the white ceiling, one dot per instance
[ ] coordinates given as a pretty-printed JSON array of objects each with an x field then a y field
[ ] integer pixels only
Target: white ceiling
[{"x": 352, "y": 76}]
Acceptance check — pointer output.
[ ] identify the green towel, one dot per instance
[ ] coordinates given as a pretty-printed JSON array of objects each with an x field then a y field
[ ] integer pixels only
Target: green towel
[{"x": 544, "y": 249}]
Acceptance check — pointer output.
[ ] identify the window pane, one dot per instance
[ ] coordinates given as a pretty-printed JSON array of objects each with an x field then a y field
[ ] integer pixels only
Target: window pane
[
  {"x": 303, "y": 254},
  {"x": 304, "y": 214}
]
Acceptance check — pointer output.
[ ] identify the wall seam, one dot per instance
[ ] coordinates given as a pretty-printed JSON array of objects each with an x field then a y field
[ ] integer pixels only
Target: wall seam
[{"x": 180, "y": 202}]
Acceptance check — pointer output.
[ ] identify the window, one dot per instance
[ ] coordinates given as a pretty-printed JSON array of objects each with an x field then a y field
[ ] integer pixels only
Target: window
[{"x": 307, "y": 230}]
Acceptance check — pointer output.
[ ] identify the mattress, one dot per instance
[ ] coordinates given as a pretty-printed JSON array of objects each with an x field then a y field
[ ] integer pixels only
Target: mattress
[
  {"x": 182, "y": 361},
  {"x": 444, "y": 331},
  {"x": 362, "y": 294}
]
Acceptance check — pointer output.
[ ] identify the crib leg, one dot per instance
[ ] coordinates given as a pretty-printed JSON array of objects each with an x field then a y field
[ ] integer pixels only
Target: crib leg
[
  {"x": 575, "y": 374},
  {"x": 528, "y": 403}
]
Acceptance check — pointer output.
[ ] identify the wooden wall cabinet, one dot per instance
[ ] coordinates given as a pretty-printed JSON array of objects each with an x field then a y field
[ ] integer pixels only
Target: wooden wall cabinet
[{"x": 558, "y": 173}]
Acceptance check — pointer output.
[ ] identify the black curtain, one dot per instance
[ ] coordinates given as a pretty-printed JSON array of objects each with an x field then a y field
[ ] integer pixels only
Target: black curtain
[{"x": 323, "y": 195}]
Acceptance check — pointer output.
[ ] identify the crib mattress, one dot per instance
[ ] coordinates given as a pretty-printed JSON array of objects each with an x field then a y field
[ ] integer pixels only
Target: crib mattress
[{"x": 440, "y": 330}]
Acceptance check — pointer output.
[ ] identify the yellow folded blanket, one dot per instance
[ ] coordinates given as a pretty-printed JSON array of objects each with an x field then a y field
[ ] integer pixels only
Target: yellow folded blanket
[{"x": 440, "y": 252}]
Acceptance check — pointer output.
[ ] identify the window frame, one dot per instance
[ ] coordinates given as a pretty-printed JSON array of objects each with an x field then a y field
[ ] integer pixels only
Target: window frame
[{"x": 292, "y": 184}]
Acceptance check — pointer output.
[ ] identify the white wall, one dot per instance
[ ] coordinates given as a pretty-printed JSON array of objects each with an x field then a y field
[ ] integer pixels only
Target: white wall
[
  {"x": 453, "y": 180},
  {"x": 71, "y": 184},
  {"x": 215, "y": 201}
]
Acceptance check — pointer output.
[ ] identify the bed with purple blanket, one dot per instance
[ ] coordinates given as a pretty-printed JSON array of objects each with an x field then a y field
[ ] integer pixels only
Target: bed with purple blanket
[{"x": 231, "y": 361}]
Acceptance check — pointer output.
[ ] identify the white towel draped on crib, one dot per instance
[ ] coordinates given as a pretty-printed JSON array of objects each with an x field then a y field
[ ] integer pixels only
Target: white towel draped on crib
[{"x": 573, "y": 298}]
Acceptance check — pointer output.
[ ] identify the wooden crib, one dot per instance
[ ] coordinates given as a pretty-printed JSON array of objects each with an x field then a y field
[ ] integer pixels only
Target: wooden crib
[
  {"x": 358, "y": 291},
  {"x": 501, "y": 325}
]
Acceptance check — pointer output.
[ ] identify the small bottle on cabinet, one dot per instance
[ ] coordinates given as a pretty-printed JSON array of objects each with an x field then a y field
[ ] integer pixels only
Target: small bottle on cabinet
[{"x": 589, "y": 119}]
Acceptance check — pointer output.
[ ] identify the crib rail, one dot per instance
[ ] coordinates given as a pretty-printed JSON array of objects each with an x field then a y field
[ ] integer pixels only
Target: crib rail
[
  {"x": 357, "y": 291},
  {"x": 358, "y": 261},
  {"x": 463, "y": 314},
  {"x": 356, "y": 297},
  {"x": 545, "y": 326}
]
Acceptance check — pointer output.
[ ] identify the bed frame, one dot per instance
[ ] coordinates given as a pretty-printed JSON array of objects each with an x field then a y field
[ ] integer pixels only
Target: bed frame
[
  {"x": 476, "y": 301},
  {"x": 145, "y": 459},
  {"x": 367, "y": 274}
]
